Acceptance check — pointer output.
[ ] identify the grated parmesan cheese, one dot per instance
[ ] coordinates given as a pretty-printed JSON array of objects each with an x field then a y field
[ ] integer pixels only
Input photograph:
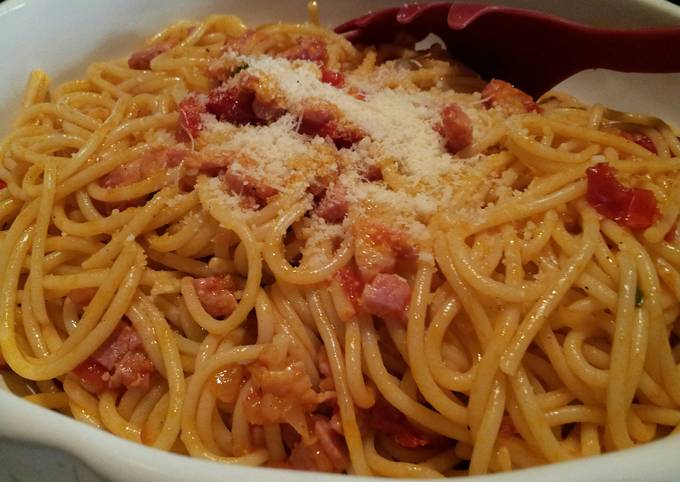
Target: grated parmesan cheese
[{"x": 400, "y": 127}]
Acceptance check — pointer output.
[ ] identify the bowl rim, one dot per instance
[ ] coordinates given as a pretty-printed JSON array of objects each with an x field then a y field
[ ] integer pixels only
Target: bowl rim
[{"x": 141, "y": 462}]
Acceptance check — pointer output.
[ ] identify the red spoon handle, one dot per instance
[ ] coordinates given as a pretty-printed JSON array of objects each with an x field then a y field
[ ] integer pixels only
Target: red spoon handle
[{"x": 533, "y": 50}]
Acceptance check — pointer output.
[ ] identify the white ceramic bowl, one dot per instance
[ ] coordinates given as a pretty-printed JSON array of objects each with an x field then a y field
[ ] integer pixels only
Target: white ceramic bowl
[{"x": 64, "y": 36}]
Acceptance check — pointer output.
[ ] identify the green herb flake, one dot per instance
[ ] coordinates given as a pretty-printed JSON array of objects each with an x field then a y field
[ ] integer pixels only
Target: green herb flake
[
  {"x": 639, "y": 297},
  {"x": 238, "y": 69}
]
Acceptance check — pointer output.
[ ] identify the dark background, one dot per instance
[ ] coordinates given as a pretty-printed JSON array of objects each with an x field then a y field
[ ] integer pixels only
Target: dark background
[{"x": 677, "y": 2}]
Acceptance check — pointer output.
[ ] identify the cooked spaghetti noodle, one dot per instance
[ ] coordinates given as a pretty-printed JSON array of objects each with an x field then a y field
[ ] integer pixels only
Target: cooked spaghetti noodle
[{"x": 271, "y": 247}]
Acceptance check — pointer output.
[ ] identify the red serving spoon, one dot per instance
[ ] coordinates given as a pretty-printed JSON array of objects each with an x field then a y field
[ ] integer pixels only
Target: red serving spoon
[{"x": 532, "y": 50}]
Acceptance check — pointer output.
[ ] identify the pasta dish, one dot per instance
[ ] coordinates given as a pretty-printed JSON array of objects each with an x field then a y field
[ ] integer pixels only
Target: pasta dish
[{"x": 272, "y": 247}]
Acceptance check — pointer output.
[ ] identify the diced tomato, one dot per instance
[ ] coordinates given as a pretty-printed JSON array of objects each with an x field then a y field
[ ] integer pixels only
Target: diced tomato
[
  {"x": 190, "y": 110},
  {"x": 634, "y": 208},
  {"x": 233, "y": 105},
  {"x": 311, "y": 49},
  {"x": 334, "y": 205},
  {"x": 640, "y": 139},
  {"x": 511, "y": 100},
  {"x": 387, "y": 296},
  {"x": 456, "y": 128},
  {"x": 384, "y": 418},
  {"x": 216, "y": 295},
  {"x": 3, "y": 184},
  {"x": 351, "y": 283},
  {"x": 92, "y": 376},
  {"x": 332, "y": 77},
  {"x": 142, "y": 60}
]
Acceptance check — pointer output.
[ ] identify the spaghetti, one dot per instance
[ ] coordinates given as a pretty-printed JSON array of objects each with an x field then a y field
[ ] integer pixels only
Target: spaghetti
[{"x": 271, "y": 247}]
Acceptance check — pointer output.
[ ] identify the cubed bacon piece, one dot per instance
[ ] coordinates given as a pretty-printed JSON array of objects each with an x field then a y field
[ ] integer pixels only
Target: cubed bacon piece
[
  {"x": 250, "y": 101},
  {"x": 190, "y": 110},
  {"x": 145, "y": 166},
  {"x": 333, "y": 206},
  {"x": 268, "y": 104},
  {"x": 507, "y": 428},
  {"x": 384, "y": 418},
  {"x": 377, "y": 248},
  {"x": 133, "y": 370},
  {"x": 317, "y": 117},
  {"x": 319, "y": 185},
  {"x": 308, "y": 48},
  {"x": 640, "y": 139},
  {"x": 509, "y": 99},
  {"x": 372, "y": 173},
  {"x": 321, "y": 118},
  {"x": 310, "y": 457},
  {"x": 634, "y": 208},
  {"x": 267, "y": 110},
  {"x": 332, "y": 77},
  {"x": 255, "y": 193},
  {"x": 322, "y": 362},
  {"x": 331, "y": 442},
  {"x": 387, "y": 296},
  {"x": 209, "y": 162},
  {"x": 335, "y": 422},
  {"x": 456, "y": 128},
  {"x": 142, "y": 60},
  {"x": 123, "y": 340},
  {"x": 215, "y": 295},
  {"x": 119, "y": 362},
  {"x": 82, "y": 296}
]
